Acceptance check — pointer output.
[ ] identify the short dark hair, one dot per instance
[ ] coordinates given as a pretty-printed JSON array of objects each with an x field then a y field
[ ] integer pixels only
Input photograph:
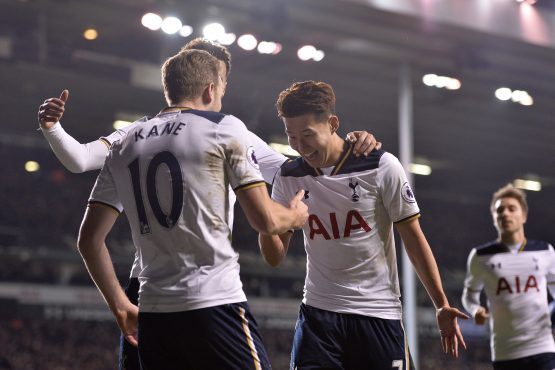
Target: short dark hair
[
  {"x": 218, "y": 51},
  {"x": 185, "y": 75},
  {"x": 510, "y": 191},
  {"x": 306, "y": 97}
]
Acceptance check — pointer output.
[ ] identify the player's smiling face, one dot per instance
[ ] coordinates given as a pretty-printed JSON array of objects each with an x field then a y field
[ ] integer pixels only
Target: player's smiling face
[
  {"x": 313, "y": 138},
  {"x": 508, "y": 215}
]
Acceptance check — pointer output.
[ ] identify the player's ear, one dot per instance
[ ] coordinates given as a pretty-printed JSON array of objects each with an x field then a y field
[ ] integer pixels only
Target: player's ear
[
  {"x": 333, "y": 121},
  {"x": 208, "y": 93}
]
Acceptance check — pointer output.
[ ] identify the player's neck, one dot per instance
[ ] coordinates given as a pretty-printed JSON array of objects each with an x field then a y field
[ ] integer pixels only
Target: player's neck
[
  {"x": 192, "y": 104},
  {"x": 336, "y": 144},
  {"x": 513, "y": 238}
]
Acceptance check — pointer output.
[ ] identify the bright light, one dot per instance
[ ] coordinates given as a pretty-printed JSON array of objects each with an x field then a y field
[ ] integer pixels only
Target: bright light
[
  {"x": 318, "y": 55},
  {"x": 186, "y": 31},
  {"x": 453, "y": 84},
  {"x": 171, "y": 25},
  {"x": 118, "y": 124},
  {"x": 420, "y": 169},
  {"x": 32, "y": 166},
  {"x": 152, "y": 21},
  {"x": 247, "y": 42},
  {"x": 213, "y": 31},
  {"x": 429, "y": 79},
  {"x": 284, "y": 149},
  {"x": 441, "y": 82},
  {"x": 267, "y": 47},
  {"x": 518, "y": 95},
  {"x": 503, "y": 93},
  {"x": 306, "y": 52},
  {"x": 227, "y": 39},
  {"x": 90, "y": 34},
  {"x": 528, "y": 184},
  {"x": 527, "y": 100}
]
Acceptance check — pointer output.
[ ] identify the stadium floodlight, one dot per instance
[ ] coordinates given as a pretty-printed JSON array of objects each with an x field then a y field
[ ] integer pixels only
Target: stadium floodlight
[
  {"x": 503, "y": 93},
  {"x": 151, "y": 21},
  {"x": 430, "y": 79},
  {"x": 32, "y": 166},
  {"x": 420, "y": 169},
  {"x": 526, "y": 100},
  {"x": 318, "y": 55},
  {"x": 90, "y": 34},
  {"x": 268, "y": 47},
  {"x": 306, "y": 52},
  {"x": 227, "y": 39},
  {"x": 119, "y": 124},
  {"x": 453, "y": 84},
  {"x": 518, "y": 95},
  {"x": 441, "y": 82},
  {"x": 171, "y": 25},
  {"x": 531, "y": 185},
  {"x": 213, "y": 31},
  {"x": 186, "y": 30},
  {"x": 247, "y": 42}
]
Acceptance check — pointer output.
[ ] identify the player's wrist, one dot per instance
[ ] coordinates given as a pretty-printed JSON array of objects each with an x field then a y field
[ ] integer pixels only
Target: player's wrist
[{"x": 47, "y": 126}]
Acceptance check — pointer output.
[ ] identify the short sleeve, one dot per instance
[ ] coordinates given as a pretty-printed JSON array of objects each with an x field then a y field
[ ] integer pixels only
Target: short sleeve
[
  {"x": 278, "y": 193},
  {"x": 268, "y": 159},
  {"x": 397, "y": 195},
  {"x": 104, "y": 190},
  {"x": 240, "y": 155}
]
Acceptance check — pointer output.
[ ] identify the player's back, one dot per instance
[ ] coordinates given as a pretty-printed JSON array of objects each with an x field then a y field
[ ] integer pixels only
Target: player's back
[{"x": 172, "y": 175}]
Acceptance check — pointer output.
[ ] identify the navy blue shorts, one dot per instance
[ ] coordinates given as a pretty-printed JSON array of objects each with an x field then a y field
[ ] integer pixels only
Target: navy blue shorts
[
  {"x": 541, "y": 361},
  {"x": 330, "y": 340},
  {"x": 128, "y": 354},
  {"x": 216, "y": 338}
]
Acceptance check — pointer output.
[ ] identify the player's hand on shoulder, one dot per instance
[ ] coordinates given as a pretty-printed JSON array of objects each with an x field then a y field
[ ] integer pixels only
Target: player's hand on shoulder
[
  {"x": 52, "y": 110},
  {"x": 301, "y": 210},
  {"x": 481, "y": 316},
  {"x": 449, "y": 329},
  {"x": 364, "y": 141}
]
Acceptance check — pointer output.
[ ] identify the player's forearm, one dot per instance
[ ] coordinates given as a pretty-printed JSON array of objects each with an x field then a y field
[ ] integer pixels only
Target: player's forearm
[
  {"x": 76, "y": 157},
  {"x": 471, "y": 301},
  {"x": 265, "y": 215},
  {"x": 423, "y": 260},
  {"x": 273, "y": 248},
  {"x": 99, "y": 264}
]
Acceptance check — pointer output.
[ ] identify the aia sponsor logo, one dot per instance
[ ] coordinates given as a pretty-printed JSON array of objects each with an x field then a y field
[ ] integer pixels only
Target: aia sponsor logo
[
  {"x": 516, "y": 285},
  {"x": 353, "y": 221}
]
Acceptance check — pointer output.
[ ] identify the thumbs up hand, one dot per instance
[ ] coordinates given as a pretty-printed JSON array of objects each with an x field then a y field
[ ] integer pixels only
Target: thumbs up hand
[{"x": 52, "y": 110}]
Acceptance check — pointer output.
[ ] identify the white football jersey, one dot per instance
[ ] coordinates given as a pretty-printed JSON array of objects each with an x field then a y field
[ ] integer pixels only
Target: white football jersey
[
  {"x": 351, "y": 262},
  {"x": 515, "y": 285},
  {"x": 171, "y": 174},
  {"x": 268, "y": 159}
]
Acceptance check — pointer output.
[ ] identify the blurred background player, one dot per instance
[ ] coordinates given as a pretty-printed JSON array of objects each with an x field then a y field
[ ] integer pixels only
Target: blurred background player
[
  {"x": 350, "y": 316},
  {"x": 77, "y": 157},
  {"x": 171, "y": 175},
  {"x": 514, "y": 273}
]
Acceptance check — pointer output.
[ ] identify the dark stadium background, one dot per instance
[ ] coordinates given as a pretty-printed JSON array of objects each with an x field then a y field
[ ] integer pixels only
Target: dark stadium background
[{"x": 49, "y": 316}]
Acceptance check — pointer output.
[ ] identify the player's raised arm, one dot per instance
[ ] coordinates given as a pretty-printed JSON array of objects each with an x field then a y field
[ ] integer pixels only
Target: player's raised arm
[
  {"x": 423, "y": 260},
  {"x": 76, "y": 157}
]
